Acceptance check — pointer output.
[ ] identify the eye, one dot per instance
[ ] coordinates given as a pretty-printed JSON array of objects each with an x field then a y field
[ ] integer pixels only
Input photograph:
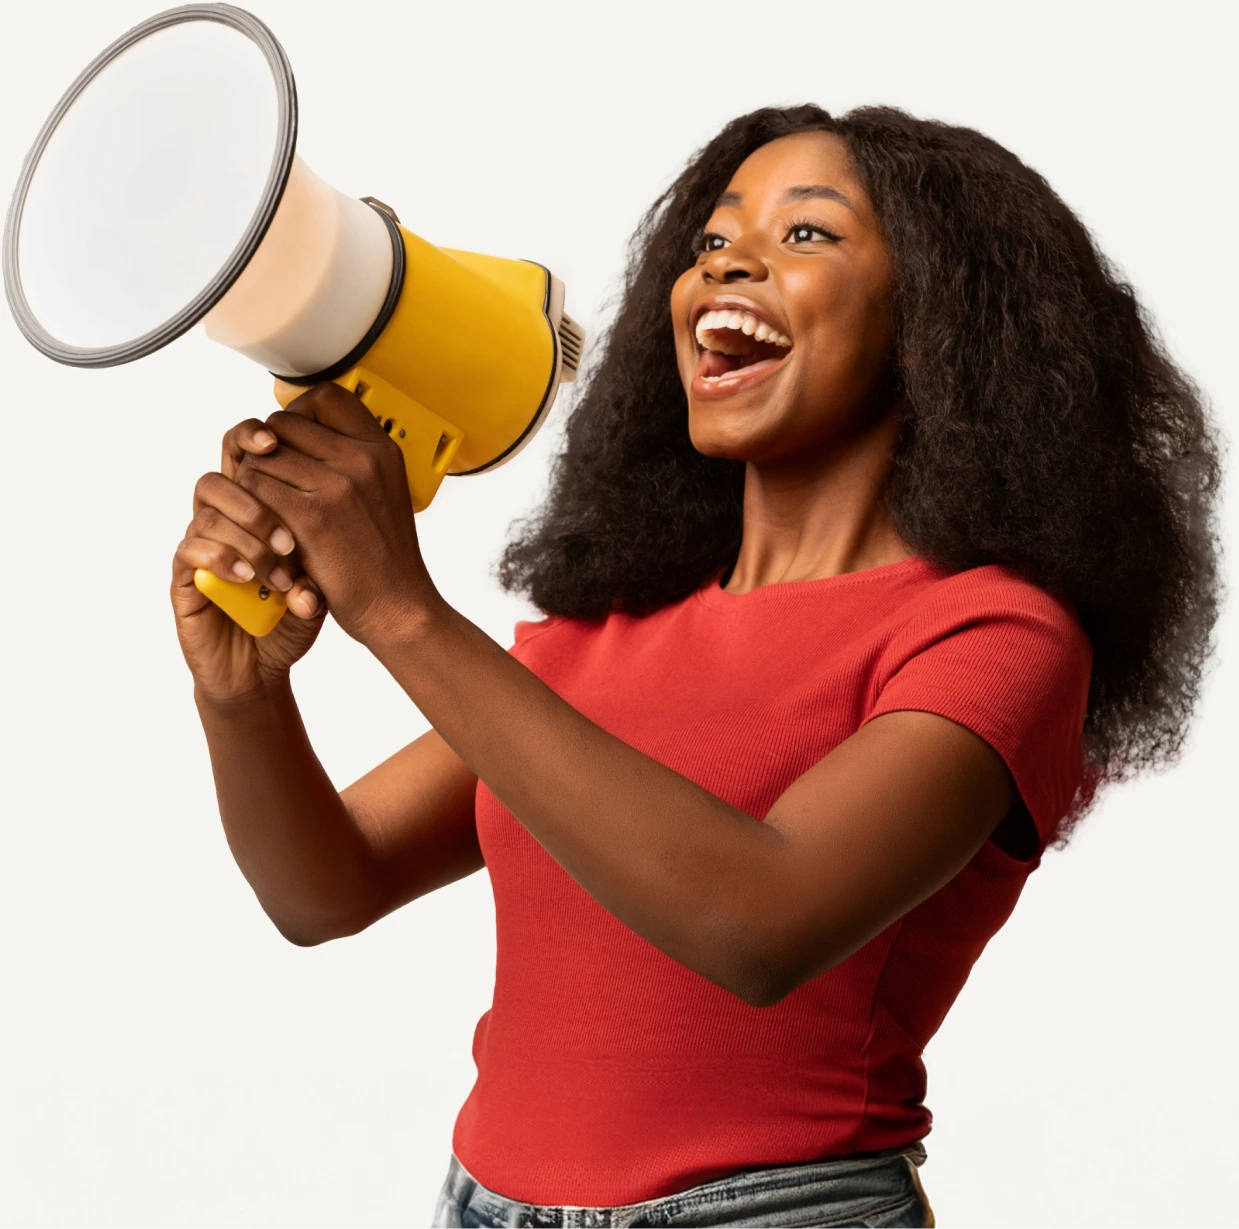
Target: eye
[
  {"x": 809, "y": 232},
  {"x": 711, "y": 241}
]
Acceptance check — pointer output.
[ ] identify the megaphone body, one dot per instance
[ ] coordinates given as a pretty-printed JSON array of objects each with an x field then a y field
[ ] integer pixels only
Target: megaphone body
[{"x": 458, "y": 355}]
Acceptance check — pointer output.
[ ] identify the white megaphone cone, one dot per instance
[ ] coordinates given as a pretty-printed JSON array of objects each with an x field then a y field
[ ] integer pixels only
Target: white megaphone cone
[{"x": 165, "y": 190}]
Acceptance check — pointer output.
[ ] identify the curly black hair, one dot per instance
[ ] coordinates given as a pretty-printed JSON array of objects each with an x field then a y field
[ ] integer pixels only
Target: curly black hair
[{"x": 1046, "y": 427}]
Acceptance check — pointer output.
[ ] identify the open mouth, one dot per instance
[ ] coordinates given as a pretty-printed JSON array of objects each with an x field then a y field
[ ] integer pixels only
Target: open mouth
[{"x": 734, "y": 343}]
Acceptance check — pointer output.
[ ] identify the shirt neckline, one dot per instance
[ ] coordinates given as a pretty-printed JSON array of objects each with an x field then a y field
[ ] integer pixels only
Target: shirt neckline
[{"x": 712, "y": 595}]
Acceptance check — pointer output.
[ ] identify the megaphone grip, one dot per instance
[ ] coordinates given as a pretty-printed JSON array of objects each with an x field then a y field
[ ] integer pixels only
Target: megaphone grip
[
  {"x": 254, "y": 606},
  {"x": 427, "y": 441}
]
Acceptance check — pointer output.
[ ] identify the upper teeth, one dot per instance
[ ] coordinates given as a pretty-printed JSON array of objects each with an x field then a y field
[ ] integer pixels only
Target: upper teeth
[{"x": 744, "y": 322}]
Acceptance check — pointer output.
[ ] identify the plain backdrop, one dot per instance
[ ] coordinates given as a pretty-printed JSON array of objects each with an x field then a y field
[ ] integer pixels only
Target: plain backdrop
[{"x": 169, "y": 1059}]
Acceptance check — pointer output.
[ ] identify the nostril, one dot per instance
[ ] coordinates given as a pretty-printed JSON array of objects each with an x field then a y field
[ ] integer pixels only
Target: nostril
[{"x": 735, "y": 275}]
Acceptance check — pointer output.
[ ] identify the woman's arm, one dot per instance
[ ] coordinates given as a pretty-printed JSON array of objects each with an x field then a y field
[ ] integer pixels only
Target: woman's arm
[
  {"x": 325, "y": 864},
  {"x": 878, "y": 825},
  {"x": 882, "y": 822},
  {"x": 322, "y": 864}
]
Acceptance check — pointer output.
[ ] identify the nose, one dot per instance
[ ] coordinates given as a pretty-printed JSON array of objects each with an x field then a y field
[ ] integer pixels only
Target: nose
[{"x": 734, "y": 263}]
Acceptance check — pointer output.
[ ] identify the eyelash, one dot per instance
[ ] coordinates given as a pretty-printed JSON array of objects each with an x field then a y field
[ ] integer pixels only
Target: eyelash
[
  {"x": 699, "y": 243},
  {"x": 805, "y": 224}
]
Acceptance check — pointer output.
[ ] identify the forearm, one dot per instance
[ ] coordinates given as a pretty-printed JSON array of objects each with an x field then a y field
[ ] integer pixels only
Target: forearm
[
  {"x": 675, "y": 863},
  {"x": 302, "y": 852}
]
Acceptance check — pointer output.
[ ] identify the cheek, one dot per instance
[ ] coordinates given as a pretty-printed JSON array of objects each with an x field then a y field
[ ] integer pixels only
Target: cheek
[
  {"x": 847, "y": 331},
  {"x": 679, "y": 305},
  {"x": 686, "y": 349}
]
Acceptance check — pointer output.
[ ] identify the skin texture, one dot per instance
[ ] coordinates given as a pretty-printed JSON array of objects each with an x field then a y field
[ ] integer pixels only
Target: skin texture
[{"x": 755, "y": 907}]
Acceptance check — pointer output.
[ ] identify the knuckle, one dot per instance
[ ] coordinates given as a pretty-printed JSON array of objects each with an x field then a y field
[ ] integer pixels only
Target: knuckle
[
  {"x": 209, "y": 519},
  {"x": 247, "y": 477},
  {"x": 206, "y": 484},
  {"x": 256, "y": 518},
  {"x": 222, "y": 559},
  {"x": 327, "y": 390},
  {"x": 374, "y": 462}
]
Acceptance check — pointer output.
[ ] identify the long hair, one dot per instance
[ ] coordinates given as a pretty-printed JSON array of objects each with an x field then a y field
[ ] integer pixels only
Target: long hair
[{"x": 1046, "y": 427}]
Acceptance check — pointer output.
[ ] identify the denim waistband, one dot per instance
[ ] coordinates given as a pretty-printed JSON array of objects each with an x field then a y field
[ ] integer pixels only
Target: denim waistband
[{"x": 880, "y": 1188}]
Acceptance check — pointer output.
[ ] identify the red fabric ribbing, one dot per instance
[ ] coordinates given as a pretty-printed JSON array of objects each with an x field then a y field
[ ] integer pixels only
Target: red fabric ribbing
[{"x": 607, "y": 1072}]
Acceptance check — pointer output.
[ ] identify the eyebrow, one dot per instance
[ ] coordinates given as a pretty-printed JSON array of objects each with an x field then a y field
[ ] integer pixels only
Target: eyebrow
[{"x": 801, "y": 192}]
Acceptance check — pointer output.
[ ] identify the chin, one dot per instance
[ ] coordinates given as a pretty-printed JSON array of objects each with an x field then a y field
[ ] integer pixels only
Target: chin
[
  {"x": 738, "y": 429},
  {"x": 724, "y": 445}
]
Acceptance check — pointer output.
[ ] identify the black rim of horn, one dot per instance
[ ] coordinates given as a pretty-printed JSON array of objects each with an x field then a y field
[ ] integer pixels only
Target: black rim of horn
[{"x": 273, "y": 190}]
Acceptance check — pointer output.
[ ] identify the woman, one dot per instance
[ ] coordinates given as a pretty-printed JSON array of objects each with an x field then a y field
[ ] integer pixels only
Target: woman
[{"x": 830, "y": 659}]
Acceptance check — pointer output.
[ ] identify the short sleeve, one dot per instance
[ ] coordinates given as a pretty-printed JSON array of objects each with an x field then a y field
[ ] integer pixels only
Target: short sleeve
[
  {"x": 1011, "y": 663},
  {"x": 529, "y": 630}
]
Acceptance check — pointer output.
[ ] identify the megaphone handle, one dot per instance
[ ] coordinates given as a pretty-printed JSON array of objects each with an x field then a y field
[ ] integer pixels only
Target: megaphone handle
[
  {"x": 255, "y": 606},
  {"x": 428, "y": 443}
]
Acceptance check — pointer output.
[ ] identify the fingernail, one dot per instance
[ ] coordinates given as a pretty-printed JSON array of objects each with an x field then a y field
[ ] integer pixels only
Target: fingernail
[
  {"x": 264, "y": 439},
  {"x": 281, "y": 579},
  {"x": 282, "y": 541},
  {"x": 243, "y": 570},
  {"x": 309, "y": 601}
]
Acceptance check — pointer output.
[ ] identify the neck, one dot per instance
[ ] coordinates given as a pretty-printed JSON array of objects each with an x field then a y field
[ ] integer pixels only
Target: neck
[{"x": 809, "y": 522}]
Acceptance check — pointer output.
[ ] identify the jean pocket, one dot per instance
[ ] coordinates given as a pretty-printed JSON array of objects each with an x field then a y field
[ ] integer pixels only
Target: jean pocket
[{"x": 906, "y": 1213}]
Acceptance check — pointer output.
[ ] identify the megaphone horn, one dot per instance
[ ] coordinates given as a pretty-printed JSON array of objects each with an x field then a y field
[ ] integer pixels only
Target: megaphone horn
[{"x": 165, "y": 190}]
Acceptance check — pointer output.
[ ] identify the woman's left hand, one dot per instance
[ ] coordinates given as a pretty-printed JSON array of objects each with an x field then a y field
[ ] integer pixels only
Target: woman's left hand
[{"x": 338, "y": 481}]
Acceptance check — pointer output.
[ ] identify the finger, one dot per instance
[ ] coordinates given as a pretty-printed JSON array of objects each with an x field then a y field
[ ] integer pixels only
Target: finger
[
  {"x": 306, "y": 513},
  {"x": 291, "y": 467},
  {"x": 219, "y": 558},
  {"x": 305, "y": 599},
  {"x": 311, "y": 438},
  {"x": 241, "y": 507},
  {"x": 248, "y": 436},
  {"x": 337, "y": 408},
  {"x": 241, "y": 555}
]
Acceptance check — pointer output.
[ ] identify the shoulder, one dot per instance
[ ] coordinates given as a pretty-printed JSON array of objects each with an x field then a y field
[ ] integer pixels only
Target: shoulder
[
  {"x": 530, "y": 629},
  {"x": 1008, "y": 660},
  {"x": 1002, "y": 607},
  {"x": 554, "y": 640},
  {"x": 999, "y": 590}
]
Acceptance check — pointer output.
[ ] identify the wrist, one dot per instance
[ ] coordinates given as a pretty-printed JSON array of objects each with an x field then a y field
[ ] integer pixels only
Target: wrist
[
  {"x": 263, "y": 694},
  {"x": 405, "y": 625}
]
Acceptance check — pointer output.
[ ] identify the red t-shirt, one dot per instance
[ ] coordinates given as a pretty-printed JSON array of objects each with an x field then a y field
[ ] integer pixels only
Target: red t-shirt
[{"x": 609, "y": 1073}]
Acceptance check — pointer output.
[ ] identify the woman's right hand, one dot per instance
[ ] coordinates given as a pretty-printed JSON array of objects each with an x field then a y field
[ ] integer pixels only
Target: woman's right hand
[{"x": 236, "y": 537}]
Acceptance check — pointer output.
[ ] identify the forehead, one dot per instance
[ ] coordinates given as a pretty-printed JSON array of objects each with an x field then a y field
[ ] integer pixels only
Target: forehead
[{"x": 803, "y": 158}]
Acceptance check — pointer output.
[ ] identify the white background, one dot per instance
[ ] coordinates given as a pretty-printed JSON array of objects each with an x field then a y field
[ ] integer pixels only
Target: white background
[{"x": 168, "y": 1059}]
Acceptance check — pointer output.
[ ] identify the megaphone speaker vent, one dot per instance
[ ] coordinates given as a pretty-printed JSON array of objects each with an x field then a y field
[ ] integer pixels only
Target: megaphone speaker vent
[{"x": 571, "y": 342}]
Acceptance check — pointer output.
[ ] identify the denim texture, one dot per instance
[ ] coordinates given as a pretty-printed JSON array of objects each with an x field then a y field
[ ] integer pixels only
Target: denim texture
[{"x": 868, "y": 1190}]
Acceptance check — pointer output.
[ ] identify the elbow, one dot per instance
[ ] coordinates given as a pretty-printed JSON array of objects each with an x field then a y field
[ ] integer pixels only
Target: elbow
[
  {"x": 761, "y": 991},
  {"x": 299, "y": 934},
  {"x": 771, "y": 975},
  {"x": 300, "y": 940},
  {"x": 761, "y": 980}
]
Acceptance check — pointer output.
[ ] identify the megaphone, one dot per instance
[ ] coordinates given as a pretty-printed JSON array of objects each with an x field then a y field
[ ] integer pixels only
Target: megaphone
[{"x": 164, "y": 190}]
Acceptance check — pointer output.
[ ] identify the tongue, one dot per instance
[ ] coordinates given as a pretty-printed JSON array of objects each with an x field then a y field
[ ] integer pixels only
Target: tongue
[{"x": 712, "y": 363}]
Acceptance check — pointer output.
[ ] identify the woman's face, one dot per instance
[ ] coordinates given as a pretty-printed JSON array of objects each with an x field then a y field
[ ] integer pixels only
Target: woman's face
[{"x": 783, "y": 326}]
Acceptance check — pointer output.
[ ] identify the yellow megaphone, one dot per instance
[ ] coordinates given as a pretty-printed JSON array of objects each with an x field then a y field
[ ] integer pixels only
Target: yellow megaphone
[{"x": 165, "y": 190}]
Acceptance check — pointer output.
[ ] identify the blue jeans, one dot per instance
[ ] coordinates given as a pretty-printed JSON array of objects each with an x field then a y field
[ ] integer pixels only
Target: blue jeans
[{"x": 878, "y": 1189}]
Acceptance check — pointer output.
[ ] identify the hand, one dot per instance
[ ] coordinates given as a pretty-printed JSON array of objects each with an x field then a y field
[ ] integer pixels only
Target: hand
[
  {"x": 235, "y": 536},
  {"x": 337, "y": 481}
]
